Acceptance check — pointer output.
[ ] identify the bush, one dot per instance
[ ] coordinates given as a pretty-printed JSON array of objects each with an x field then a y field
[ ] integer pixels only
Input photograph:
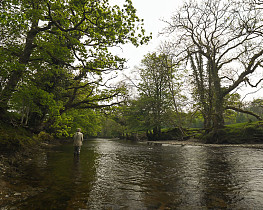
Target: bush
[{"x": 44, "y": 137}]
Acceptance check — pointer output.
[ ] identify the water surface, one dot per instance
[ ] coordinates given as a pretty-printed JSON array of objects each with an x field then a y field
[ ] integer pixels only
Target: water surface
[{"x": 112, "y": 174}]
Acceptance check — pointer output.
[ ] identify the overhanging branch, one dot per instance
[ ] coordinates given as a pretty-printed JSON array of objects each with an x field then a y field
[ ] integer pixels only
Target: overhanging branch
[{"x": 244, "y": 111}]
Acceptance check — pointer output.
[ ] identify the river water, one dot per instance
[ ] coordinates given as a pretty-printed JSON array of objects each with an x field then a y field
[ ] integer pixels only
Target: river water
[{"x": 113, "y": 174}]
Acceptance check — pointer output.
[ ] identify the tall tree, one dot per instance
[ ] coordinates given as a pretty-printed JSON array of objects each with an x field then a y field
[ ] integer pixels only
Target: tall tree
[
  {"x": 37, "y": 36},
  {"x": 224, "y": 34},
  {"x": 175, "y": 81},
  {"x": 155, "y": 90}
]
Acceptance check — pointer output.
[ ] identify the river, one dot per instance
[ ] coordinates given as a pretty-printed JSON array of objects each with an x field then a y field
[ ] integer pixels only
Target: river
[{"x": 113, "y": 174}]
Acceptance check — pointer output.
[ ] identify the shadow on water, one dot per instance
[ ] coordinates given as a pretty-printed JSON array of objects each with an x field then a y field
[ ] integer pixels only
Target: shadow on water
[{"x": 123, "y": 175}]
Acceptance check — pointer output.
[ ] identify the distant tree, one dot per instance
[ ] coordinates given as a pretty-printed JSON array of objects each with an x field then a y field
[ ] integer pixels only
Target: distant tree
[
  {"x": 176, "y": 83},
  {"x": 110, "y": 128},
  {"x": 233, "y": 103},
  {"x": 155, "y": 92},
  {"x": 256, "y": 106}
]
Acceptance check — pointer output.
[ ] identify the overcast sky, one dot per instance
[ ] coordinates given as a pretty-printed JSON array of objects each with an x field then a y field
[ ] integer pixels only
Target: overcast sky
[{"x": 152, "y": 11}]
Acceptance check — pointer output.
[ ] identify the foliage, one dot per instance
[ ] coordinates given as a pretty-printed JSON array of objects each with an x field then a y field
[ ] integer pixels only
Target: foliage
[
  {"x": 54, "y": 56},
  {"x": 231, "y": 100},
  {"x": 44, "y": 137},
  {"x": 256, "y": 106},
  {"x": 65, "y": 125},
  {"x": 156, "y": 95},
  {"x": 111, "y": 129},
  {"x": 197, "y": 120},
  {"x": 34, "y": 105},
  {"x": 137, "y": 115}
]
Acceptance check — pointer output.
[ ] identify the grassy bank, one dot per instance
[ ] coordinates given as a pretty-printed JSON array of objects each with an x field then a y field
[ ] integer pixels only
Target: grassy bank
[{"x": 241, "y": 133}]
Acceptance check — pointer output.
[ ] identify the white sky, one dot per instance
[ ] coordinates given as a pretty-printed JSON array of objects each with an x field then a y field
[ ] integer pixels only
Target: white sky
[{"x": 152, "y": 11}]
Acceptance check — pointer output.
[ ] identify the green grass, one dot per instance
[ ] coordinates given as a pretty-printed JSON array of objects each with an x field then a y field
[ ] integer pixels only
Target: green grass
[{"x": 249, "y": 132}]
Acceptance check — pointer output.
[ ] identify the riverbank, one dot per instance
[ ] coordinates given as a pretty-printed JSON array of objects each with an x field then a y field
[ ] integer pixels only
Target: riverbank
[{"x": 197, "y": 142}]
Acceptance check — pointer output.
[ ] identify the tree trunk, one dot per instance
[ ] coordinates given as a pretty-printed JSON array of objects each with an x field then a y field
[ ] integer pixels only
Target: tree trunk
[
  {"x": 207, "y": 121},
  {"x": 17, "y": 74},
  {"x": 218, "y": 119},
  {"x": 156, "y": 132},
  {"x": 218, "y": 99}
]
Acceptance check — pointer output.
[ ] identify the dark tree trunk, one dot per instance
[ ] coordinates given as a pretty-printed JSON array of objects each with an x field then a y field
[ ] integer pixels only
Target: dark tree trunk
[
  {"x": 17, "y": 74},
  {"x": 218, "y": 99}
]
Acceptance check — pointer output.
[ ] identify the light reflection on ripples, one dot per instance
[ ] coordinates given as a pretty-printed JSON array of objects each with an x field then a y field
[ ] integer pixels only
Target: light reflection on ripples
[
  {"x": 124, "y": 175},
  {"x": 177, "y": 177}
]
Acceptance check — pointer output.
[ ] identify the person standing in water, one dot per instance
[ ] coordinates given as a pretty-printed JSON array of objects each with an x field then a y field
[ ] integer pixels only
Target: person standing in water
[{"x": 77, "y": 142}]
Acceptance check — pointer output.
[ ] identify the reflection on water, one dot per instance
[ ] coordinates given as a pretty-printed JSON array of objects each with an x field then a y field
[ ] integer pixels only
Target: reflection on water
[{"x": 122, "y": 175}]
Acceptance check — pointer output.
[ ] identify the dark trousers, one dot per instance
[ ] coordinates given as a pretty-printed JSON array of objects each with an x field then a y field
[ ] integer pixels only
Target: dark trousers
[{"x": 77, "y": 150}]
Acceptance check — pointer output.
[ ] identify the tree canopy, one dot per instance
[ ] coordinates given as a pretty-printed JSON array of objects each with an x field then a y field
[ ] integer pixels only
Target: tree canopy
[{"x": 58, "y": 52}]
